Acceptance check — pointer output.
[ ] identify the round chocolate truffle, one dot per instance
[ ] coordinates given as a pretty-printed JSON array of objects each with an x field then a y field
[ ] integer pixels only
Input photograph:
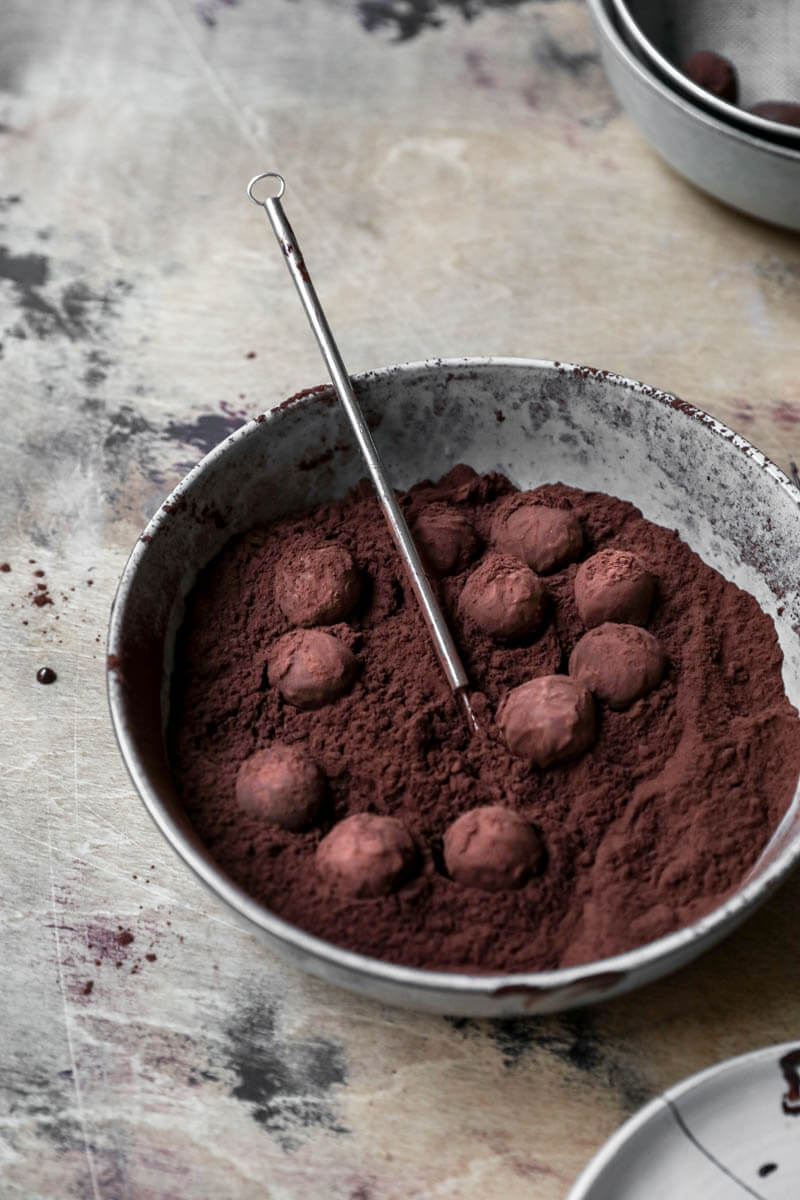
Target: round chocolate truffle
[
  {"x": 446, "y": 539},
  {"x": 545, "y": 538},
  {"x": 367, "y": 855},
  {"x": 614, "y": 585},
  {"x": 619, "y": 663},
  {"x": 782, "y": 111},
  {"x": 503, "y": 597},
  {"x": 492, "y": 848},
  {"x": 548, "y": 719},
  {"x": 318, "y": 587},
  {"x": 281, "y": 785},
  {"x": 714, "y": 73},
  {"x": 310, "y": 668}
]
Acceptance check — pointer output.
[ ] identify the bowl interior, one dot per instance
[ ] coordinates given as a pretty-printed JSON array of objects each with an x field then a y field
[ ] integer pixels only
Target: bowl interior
[
  {"x": 536, "y": 422},
  {"x": 761, "y": 39}
]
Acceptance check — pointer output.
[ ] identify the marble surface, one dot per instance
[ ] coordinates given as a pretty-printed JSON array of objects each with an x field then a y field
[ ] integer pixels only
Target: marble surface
[{"x": 462, "y": 182}]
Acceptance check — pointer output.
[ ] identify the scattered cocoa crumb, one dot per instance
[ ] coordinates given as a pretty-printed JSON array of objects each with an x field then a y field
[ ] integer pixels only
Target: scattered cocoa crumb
[
  {"x": 5, "y": 567},
  {"x": 250, "y": 354},
  {"x": 150, "y": 957},
  {"x": 39, "y": 574},
  {"x": 87, "y": 987}
]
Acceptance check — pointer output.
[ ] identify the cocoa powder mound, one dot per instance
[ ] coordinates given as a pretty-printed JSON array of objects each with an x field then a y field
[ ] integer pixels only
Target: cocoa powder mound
[{"x": 646, "y": 832}]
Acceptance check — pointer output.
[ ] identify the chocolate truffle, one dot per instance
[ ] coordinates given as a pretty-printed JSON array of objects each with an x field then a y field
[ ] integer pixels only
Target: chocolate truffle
[
  {"x": 714, "y": 73},
  {"x": 619, "y": 663},
  {"x": 492, "y": 848},
  {"x": 782, "y": 111},
  {"x": 446, "y": 540},
  {"x": 318, "y": 587},
  {"x": 614, "y": 585},
  {"x": 548, "y": 719},
  {"x": 503, "y": 597},
  {"x": 545, "y": 538},
  {"x": 282, "y": 785},
  {"x": 366, "y": 855},
  {"x": 310, "y": 668}
]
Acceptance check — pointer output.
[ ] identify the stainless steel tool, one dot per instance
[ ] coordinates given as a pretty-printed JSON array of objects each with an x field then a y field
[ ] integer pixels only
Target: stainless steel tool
[{"x": 426, "y": 598}]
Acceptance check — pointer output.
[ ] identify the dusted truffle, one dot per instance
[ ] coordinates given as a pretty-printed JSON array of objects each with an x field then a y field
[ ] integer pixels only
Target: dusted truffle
[
  {"x": 545, "y": 538},
  {"x": 310, "y": 668},
  {"x": 714, "y": 73},
  {"x": 446, "y": 539},
  {"x": 366, "y": 855},
  {"x": 318, "y": 587},
  {"x": 619, "y": 663},
  {"x": 782, "y": 111},
  {"x": 614, "y": 585},
  {"x": 282, "y": 785},
  {"x": 547, "y": 720},
  {"x": 503, "y": 597},
  {"x": 492, "y": 848}
]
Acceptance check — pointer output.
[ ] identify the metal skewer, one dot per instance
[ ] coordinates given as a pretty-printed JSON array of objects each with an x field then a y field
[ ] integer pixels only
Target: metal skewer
[{"x": 442, "y": 638}]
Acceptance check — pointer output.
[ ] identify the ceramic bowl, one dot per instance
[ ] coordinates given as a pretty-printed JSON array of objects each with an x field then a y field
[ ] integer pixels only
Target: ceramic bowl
[
  {"x": 537, "y": 422},
  {"x": 757, "y": 176},
  {"x": 729, "y": 1132}
]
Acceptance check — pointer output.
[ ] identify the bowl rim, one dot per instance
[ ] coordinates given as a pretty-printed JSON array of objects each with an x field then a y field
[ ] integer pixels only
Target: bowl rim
[
  {"x": 418, "y": 979},
  {"x": 592, "y": 1173},
  {"x": 741, "y": 117},
  {"x": 605, "y": 26}
]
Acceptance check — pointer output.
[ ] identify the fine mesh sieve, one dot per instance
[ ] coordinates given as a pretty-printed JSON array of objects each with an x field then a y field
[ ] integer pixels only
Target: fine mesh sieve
[{"x": 760, "y": 37}]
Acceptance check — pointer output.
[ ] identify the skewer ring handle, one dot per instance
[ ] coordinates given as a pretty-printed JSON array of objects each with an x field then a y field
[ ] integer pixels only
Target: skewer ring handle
[{"x": 266, "y": 175}]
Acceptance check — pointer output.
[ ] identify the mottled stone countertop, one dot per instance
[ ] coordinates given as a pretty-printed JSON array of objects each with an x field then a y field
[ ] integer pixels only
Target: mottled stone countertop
[{"x": 463, "y": 182}]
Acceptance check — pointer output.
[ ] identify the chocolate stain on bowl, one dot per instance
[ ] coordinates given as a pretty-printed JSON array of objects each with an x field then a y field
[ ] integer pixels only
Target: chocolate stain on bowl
[{"x": 790, "y": 1069}]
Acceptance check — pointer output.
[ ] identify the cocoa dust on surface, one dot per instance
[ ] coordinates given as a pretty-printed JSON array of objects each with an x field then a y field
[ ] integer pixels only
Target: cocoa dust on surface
[{"x": 648, "y": 831}]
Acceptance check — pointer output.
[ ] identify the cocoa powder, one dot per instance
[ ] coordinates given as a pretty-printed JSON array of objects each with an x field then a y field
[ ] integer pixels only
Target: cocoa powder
[{"x": 650, "y": 829}]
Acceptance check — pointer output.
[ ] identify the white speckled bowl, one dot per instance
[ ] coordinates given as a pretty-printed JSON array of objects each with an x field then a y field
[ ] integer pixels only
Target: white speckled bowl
[
  {"x": 728, "y": 1132},
  {"x": 559, "y": 422}
]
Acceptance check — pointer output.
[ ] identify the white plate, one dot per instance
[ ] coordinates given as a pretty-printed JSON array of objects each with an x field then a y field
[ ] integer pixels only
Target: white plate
[{"x": 729, "y": 1132}]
